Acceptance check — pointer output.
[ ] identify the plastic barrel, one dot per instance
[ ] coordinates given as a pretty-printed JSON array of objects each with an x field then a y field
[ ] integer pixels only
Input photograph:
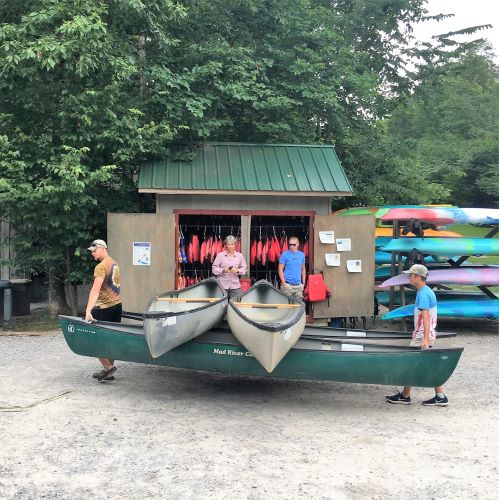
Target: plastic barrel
[
  {"x": 20, "y": 297},
  {"x": 4, "y": 287}
]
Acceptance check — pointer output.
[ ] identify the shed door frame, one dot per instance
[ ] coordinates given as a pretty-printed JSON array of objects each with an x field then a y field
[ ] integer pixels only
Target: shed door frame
[{"x": 282, "y": 213}]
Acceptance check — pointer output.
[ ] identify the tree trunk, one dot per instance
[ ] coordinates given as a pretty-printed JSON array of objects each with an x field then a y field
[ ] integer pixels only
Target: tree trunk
[
  {"x": 72, "y": 295},
  {"x": 57, "y": 296}
]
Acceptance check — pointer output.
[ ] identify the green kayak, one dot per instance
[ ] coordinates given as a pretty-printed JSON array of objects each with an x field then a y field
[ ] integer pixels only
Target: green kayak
[{"x": 309, "y": 359}]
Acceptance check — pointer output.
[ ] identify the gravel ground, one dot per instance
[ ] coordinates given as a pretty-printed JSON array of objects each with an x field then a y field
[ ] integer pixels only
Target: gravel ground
[{"x": 157, "y": 432}]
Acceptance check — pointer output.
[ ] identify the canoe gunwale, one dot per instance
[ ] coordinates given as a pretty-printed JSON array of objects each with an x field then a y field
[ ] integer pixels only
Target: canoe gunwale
[
  {"x": 266, "y": 326},
  {"x": 110, "y": 327},
  {"x": 168, "y": 314}
]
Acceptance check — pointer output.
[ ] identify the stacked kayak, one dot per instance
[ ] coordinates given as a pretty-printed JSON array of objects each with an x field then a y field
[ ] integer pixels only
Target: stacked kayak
[
  {"x": 444, "y": 246},
  {"x": 437, "y": 216},
  {"x": 488, "y": 309},
  {"x": 435, "y": 248},
  {"x": 459, "y": 303},
  {"x": 488, "y": 276},
  {"x": 410, "y": 296}
]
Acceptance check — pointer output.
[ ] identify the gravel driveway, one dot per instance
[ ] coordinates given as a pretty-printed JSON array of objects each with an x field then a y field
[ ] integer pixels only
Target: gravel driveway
[{"x": 157, "y": 432}]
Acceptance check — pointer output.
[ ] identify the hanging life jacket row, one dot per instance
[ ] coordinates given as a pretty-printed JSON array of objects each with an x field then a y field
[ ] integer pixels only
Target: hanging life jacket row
[{"x": 316, "y": 289}]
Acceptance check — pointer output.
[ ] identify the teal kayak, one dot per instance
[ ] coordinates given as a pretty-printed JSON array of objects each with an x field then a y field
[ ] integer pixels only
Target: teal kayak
[
  {"x": 410, "y": 296},
  {"x": 488, "y": 309},
  {"x": 445, "y": 246}
]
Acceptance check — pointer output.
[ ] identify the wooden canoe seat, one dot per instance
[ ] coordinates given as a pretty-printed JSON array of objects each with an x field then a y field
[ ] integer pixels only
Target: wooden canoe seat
[
  {"x": 189, "y": 299},
  {"x": 259, "y": 304}
]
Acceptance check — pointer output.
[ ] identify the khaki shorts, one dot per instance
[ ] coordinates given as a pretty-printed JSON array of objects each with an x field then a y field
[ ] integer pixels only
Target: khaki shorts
[
  {"x": 293, "y": 290},
  {"x": 418, "y": 341}
]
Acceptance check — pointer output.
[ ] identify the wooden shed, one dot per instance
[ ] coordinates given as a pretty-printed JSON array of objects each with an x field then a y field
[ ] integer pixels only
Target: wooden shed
[{"x": 255, "y": 192}]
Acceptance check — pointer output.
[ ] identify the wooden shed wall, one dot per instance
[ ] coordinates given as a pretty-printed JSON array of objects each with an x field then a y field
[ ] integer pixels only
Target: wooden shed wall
[
  {"x": 166, "y": 204},
  {"x": 140, "y": 283}
]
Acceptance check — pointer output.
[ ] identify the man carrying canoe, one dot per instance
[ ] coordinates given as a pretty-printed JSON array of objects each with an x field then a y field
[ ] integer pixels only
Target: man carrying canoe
[
  {"x": 104, "y": 302},
  {"x": 425, "y": 322}
]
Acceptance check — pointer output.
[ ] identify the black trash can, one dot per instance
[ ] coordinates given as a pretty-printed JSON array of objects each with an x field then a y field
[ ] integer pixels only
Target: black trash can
[
  {"x": 20, "y": 297},
  {"x": 4, "y": 285}
]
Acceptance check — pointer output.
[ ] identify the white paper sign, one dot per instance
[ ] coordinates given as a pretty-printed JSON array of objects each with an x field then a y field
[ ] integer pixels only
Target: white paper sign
[
  {"x": 343, "y": 244},
  {"x": 352, "y": 347},
  {"x": 169, "y": 321},
  {"x": 141, "y": 253},
  {"x": 354, "y": 266},
  {"x": 326, "y": 237},
  {"x": 332, "y": 259},
  {"x": 358, "y": 333}
]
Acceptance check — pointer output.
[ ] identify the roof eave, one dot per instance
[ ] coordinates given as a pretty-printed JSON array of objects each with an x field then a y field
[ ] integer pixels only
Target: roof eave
[{"x": 325, "y": 194}]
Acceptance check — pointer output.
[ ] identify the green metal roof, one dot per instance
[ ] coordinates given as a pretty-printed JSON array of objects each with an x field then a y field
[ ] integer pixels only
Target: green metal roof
[{"x": 249, "y": 168}]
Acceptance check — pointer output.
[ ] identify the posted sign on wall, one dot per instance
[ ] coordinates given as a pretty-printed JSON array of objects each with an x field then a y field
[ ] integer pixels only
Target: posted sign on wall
[{"x": 141, "y": 253}]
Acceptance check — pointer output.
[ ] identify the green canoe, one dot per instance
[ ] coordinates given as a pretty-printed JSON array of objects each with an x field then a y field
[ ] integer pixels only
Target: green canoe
[{"x": 318, "y": 359}]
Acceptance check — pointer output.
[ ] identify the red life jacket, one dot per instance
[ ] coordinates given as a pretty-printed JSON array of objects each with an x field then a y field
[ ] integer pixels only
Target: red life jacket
[
  {"x": 316, "y": 289},
  {"x": 253, "y": 253}
]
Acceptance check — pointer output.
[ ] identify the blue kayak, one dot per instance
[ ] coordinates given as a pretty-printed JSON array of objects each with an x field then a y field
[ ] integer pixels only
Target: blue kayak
[
  {"x": 445, "y": 246},
  {"x": 447, "y": 295},
  {"x": 454, "y": 308}
]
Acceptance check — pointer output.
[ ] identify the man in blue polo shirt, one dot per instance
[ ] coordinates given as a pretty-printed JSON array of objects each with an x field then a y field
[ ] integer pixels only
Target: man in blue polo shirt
[{"x": 292, "y": 272}]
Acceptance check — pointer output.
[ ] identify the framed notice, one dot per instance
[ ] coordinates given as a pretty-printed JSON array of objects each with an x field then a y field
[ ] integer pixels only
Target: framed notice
[{"x": 141, "y": 254}]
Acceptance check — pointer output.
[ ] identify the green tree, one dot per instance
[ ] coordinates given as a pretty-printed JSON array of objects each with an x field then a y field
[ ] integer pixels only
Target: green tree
[
  {"x": 72, "y": 117},
  {"x": 448, "y": 131}
]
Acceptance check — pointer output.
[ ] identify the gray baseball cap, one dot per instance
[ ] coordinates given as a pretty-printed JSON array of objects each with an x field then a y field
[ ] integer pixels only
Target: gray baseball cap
[
  {"x": 417, "y": 269},
  {"x": 97, "y": 244}
]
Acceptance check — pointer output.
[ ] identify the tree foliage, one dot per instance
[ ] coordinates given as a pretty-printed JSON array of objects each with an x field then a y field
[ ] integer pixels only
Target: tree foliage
[
  {"x": 90, "y": 88},
  {"x": 448, "y": 131}
]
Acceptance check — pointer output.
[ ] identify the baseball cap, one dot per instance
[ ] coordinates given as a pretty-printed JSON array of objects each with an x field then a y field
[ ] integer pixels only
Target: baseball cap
[
  {"x": 417, "y": 269},
  {"x": 96, "y": 244}
]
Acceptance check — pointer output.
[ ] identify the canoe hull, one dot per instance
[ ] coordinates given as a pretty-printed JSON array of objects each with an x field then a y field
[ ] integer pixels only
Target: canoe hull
[
  {"x": 267, "y": 332},
  {"x": 175, "y": 317},
  {"x": 420, "y": 368},
  {"x": 269, "y": 347}
]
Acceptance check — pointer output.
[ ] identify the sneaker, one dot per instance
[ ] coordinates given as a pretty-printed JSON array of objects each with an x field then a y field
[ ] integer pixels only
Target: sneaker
[
  {"x": 436, "y": 401},
  {"x": 98, "y": 374},
  {"x": 105, "y": 374},
  {"x": 398, "y": 399}
]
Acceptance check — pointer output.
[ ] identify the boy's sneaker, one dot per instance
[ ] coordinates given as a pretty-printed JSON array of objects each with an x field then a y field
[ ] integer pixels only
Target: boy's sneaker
[
  {"x": 399, "y": 399},
  {"x": 105, "y": 374},
  {"x": 101, "y": 373},
  {"x": 436, "y": 401}
]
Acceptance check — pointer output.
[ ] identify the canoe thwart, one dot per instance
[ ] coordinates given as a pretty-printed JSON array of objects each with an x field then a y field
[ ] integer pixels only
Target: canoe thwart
[
  {"x": 195, "y": 299},
  {"x": 259, "y": 304}
]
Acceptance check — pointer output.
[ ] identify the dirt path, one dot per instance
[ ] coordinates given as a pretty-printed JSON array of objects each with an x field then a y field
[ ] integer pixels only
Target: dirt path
[{"x": 165, "y": 433}]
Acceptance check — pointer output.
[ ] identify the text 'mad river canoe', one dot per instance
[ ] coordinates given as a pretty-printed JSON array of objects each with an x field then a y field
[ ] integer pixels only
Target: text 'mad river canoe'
[
  {"x": 219, "y": 351},
  {"x": 175, "y": 317},
  {"x": 267, "y": 322}
]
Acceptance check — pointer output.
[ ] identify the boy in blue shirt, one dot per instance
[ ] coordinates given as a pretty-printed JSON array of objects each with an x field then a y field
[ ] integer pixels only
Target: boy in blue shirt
[{"x": 425, "y": 323}]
